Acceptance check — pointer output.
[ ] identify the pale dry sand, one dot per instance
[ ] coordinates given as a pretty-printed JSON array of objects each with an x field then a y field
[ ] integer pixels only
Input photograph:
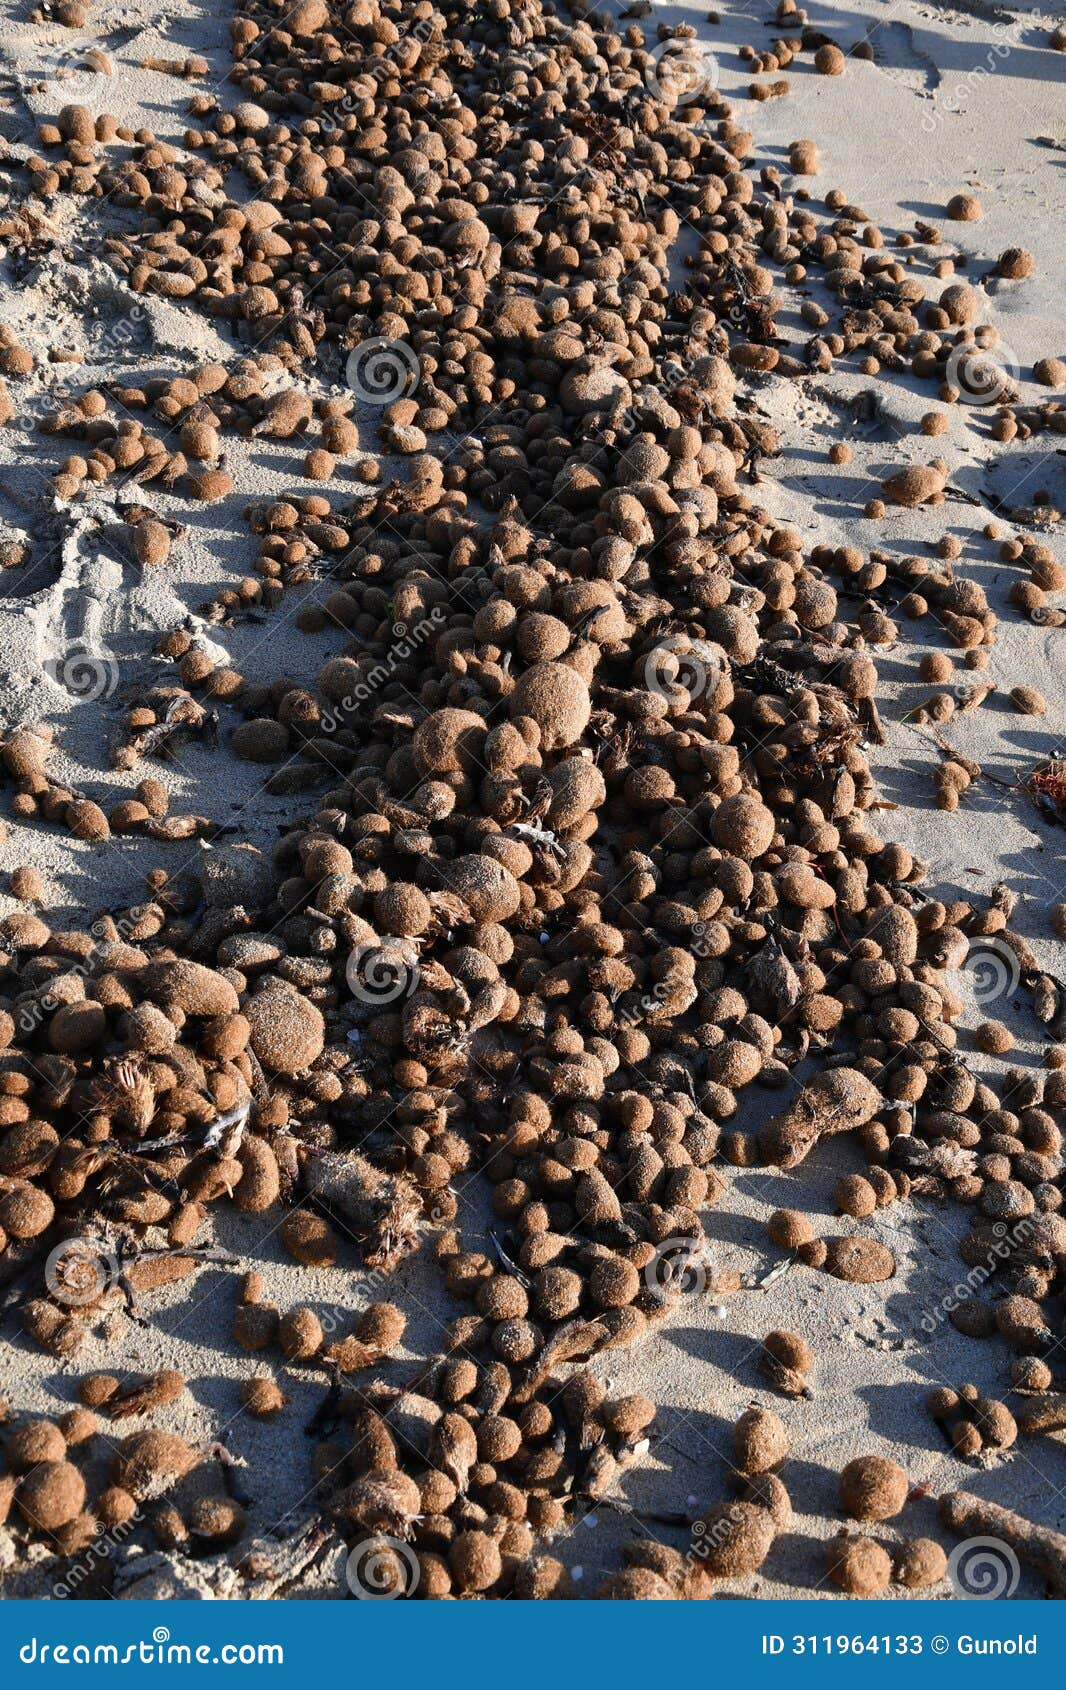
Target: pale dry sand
[{"x": 965, "y": 98}]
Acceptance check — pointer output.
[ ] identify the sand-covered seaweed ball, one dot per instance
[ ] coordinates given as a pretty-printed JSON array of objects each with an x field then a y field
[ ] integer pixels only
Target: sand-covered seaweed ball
[
  {"x": 737, "y": 1536},
  {"x": 918, "y": 1563},
  {"x": 760, "y": 1441},
  {"x": 556, "y": 698},
  {"x": 873, "y": 1488},
  {"x": 50, "y": 1495},
  {"x": 149, "y": 1462},
  {"x": 263, "y": 1397},
  {"x": 743, "y": 826},
  {"x": 287, "y": 1030},
  {"x": 858, "y": 1566}
]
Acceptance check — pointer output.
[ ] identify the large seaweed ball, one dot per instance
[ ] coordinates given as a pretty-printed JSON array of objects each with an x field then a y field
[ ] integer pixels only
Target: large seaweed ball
[
  {"x": 919, "y": 1562},
  {"x": 260, "y": 1182},
  {"x": 789, "y": 1229},
  {"x": 449, "y": 742},
  {"x": 858, "y": 1566},
  {"x": 873, "y": 1488},
  {"x": 77, "y": 1027},
  {"x": 150, "y": 1462},
  {"x": 489, "y": 890},
  {"x": 381, "y": 1325},
  {"x": 26, "y": 1212},
  {"x": 760, "y": 1441},
  {"x": 743, "y": 826},
  {"x": 50, "y": 1495},
  {"x": 403, "y": 911},
  {"x": 613, "y": 1282},
  {"x": 288, "y": 1031},
  {"x": 855, "y": 1196},
  {"x": 555, "y": 697},
  {"x": 474, "y": 1561},
  {"x": 263, "y": 1397},
  {"x": 37, "y": 1440},
  {"x": 735, "y": 1539},
  {"x": 300, "y": 1334},
  {"x": 542, "y": 1579}
]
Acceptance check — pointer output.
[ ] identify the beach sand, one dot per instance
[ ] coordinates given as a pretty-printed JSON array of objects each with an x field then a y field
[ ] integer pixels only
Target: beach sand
[{"x": 963, "y": 98}]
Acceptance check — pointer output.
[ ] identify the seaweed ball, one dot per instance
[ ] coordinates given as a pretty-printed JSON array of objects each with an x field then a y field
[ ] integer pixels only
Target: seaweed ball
[
  {"x": 402, "y": 910},
  {"x": 474, "y": 1561},
  {"x": 613, "y": 1282},
  {"x": 919, "y": 1562},
  {"x": 287, "y": 1029},
  {"x": 789, "y": 1350},
  {"x": 300, "y": 1334},
  {"x": 50, "y": 1495},
  {"x": 557, "y": 699},
  {"x": 873, "y": 1488},
  {"x": 789, "y": 1228},
  {"x": 381, "y": 1325},
  {"x": 26, "y": 1212},
  {"x": 743, "y": 826},
  {"x": 309, "y": 1238},
  {"x": 760, "y": 1441},
  {"x": 149, "y": 1462},
  {"x": 855, "y": 1196},
  {"x": 37, "y": 1440},
  {"x": 263, "y": 1397},
  {"x": 634, "y": 1584},
  {"x": 449, "y": 741},
  {"x": 858, "y": 1566},
  {"x": 738, "y": 1536}
]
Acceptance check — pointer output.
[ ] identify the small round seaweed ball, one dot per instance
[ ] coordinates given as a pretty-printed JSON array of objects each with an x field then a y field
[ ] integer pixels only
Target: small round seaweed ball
[
  {"x": 263, "y": 1397},
  {"x": 381, "y": 1325},
  {"x": 872, "y": 1488},
  {"x": 737, "y": 1537},
  {"x": 37, "y": 1440},
  {"x": 855, "y": 1196},
  {"x": 50, "y": 1495},
  {"x": 474, "y": 1561},
  {"x": 789, "y": 1228},
  {"x": 858, "y": 1566},
  {"x": 309, "y": 1238},
  {"x": 760, "y": 1441},
  {"x": 919, "y": 1562},
  {"x": 790, "y": 1350},
  {"x": 300, "y": 1334}
]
